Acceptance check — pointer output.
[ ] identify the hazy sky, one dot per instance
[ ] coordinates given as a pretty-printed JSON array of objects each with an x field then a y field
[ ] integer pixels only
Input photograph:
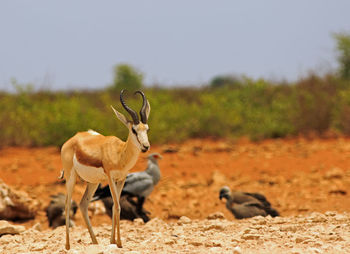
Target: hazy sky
[{"x": 75, "y": 44}]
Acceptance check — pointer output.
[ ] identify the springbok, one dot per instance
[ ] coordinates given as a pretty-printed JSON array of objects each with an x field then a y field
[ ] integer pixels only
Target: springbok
[{"x": 96, "y": 158}]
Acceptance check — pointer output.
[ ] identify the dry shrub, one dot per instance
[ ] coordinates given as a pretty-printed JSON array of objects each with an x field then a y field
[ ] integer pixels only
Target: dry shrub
[{"x": 315, "y": 103}]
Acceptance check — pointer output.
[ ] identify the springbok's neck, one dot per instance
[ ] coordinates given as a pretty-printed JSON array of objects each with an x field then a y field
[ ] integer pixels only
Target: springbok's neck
[{"x": 130, "y": 153}]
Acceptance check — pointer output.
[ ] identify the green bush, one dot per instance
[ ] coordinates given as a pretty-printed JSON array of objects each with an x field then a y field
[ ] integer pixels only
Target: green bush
[
  {"x": 343, "y": 49},
  {"x": 126, "y": 77}
]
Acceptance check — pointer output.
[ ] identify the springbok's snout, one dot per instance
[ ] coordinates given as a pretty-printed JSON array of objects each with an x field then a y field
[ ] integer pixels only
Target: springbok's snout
[{"x": 145, "y": 148}]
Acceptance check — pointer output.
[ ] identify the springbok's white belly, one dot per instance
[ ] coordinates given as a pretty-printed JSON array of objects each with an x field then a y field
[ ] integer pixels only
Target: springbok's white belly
[{"x": 95, "y": 174}]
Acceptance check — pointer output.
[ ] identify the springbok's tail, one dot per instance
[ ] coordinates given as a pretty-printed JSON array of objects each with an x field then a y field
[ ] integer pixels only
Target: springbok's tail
[{"x": 62, "y": 175}]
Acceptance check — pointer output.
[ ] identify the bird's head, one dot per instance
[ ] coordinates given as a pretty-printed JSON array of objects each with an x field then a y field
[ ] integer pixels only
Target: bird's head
[
  {"x": 154, "y": 157},
  {"x": 225, "y": 192}
]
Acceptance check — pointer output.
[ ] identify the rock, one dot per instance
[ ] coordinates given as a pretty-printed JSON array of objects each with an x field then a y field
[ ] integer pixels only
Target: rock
[
  {"x": 112, "y": 248},
  {"x": 94, "y": 249},
  {"x": 330, "y": 213},
  {"x": 198, "y": 241},
  {"x": 250, "y": 236},
  {"x": 288, "y": 228},
  {"x": 259, "y": 220},
  {"x": 7, "y": 228},
  {"x": 301, "y": 238},
  {"x": 38, "y": 247},
  {"x": 16, "y": 205},
  {"x": 315, "y": 250},
  {"x": 296, "y": 251},
  {"x": 37, "y": 226},
  {"x": 169, "y": 241},
  {"x": 214, "y": 249},
  {"x": 237, "y": 250},
  {"x": 154, "y": 223},
  {"x": 215, "y": 225},
  {"x": 317, "y": 217},
  {"x": 215, "y": 216},
  {"x": 184, "y": 220},
  {"x": 334, "y": 173},
  {"x": 213, "y": 243},
  {"x": 138, "y": 221}
]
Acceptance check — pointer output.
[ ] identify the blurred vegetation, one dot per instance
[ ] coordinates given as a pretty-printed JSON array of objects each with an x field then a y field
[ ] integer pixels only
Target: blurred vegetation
[
  {"x": 343, "y": 48},
  {"x": 126, "y": 77},
  {"x": 228, "y": 107},
  {"x": 255, "y": 108}
]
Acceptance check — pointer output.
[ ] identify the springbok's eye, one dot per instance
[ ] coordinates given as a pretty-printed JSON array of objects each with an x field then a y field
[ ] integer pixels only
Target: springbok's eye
[{"x": 133, "y": 131}]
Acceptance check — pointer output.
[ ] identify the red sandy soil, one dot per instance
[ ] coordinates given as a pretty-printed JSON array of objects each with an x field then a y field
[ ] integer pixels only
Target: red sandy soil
[{"x": 298, "y": 176}]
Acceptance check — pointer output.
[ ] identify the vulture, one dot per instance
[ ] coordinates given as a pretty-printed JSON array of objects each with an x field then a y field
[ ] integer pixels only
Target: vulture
[
  {"x": 55, "y": 211},
  {"x": 128, "y": 210},
  {"x": 137, "y": 185},
  {"x": 246, "y": 205}
]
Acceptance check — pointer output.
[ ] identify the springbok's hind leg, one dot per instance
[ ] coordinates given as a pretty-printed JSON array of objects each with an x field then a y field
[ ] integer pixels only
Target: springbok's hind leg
[
  {"x": 70, "y": 182},
  {"x": 84, "y": 203}
]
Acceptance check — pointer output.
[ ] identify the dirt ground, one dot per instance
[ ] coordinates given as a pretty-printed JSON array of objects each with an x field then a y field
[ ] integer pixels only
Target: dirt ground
[{"x": 298, "y": 176}]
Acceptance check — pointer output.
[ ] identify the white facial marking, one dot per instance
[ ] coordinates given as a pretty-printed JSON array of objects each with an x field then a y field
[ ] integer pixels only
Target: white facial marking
[{"x": 140, "y": 136}]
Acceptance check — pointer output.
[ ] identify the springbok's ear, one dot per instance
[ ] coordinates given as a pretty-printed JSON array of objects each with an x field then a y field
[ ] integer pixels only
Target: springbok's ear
[
  {"x": 121, "y": 117},
  {"x": 148, "y": 109}
]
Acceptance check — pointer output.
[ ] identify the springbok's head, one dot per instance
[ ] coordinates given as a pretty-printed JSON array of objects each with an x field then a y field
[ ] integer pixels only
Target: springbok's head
[{"x": 137, "y": 129}]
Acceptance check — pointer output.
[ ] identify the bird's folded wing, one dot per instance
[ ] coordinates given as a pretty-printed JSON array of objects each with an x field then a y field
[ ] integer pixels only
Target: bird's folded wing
[
  {"x": 255, "y": 204},
  {"x": 138, "y": 183},
  {"x": 259, "y": 197}
]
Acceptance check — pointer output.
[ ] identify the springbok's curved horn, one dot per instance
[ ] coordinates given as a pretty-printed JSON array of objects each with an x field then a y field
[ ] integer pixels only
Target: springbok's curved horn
[
  {"x": 132, "y": 113},
  {"x": 143, "y": 108}
]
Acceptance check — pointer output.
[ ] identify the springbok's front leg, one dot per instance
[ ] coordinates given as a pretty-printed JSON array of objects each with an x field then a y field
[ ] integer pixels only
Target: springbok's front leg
[
  {"x": 70, "y": 182},
  {"x": 116, "y": 191},
  {"x": 84, "y": 203}
]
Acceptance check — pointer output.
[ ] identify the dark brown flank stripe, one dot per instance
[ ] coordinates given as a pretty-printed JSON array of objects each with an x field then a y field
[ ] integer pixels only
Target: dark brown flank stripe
[{"x": 86, "y": 160}]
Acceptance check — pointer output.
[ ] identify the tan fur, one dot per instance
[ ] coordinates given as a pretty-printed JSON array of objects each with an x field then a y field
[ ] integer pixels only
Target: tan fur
[{"x": 108, "y": 152}]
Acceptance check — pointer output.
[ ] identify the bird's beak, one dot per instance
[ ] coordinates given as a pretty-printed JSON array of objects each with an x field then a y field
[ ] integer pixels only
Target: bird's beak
[
  {"x": 157, "y": 156},
  {"x": 221, "y": 196}
]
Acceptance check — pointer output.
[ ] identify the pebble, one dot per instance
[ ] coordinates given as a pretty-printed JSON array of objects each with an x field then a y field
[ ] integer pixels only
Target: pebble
[
  {"x": 330, "y": 213},
  {"x": 237, "y": 250},
  {"x": 7, "y": 228},
  {"x": 289, "y": 228},
  {"x": 196, "y": 241},
  {"x": 169, "y": 241},
  {"x": 138, "y": 221},
  {"x": 183, "y": 220},
  {"x": 216, "y": 225},
  {"x": 317, "y": 217},
  {"x": 94, "y": 249},
  {"x": 250, "y": 236},
  {"x": 38, "y": 247},
  {"x": 215, "y": 216},
  {"x": 37, "y": 227},
  {"x": 213, "y": 243},
  {"x": 300, "y": 239}
]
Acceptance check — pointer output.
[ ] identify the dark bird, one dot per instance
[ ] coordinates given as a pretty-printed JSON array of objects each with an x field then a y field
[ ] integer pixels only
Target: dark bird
[
  {"x": 138, "y": 184},
  {"x": 246, "y": 205},
  {"x": 128, "y": 210},
  {"x": 55, "y": 211}
]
